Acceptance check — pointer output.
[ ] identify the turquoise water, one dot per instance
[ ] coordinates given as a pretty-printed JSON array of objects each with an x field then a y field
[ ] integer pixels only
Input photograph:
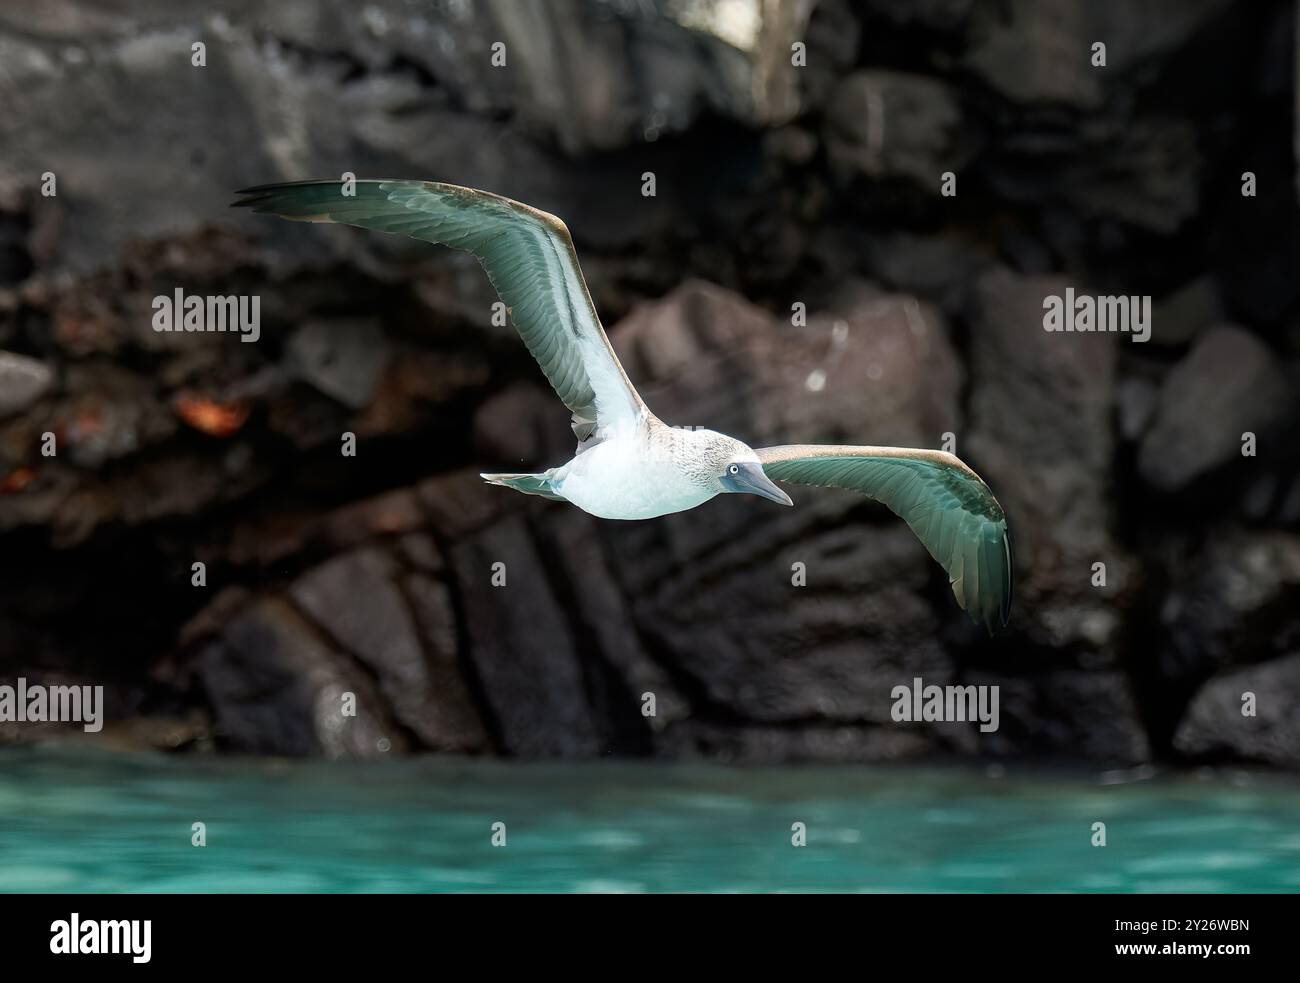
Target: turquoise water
[{"x": 78, "y": 822}]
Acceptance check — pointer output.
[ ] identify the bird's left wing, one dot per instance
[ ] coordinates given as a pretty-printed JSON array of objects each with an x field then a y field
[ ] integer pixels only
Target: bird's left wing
[
  {"x": 528, "y": 256},
  {"x": 944, "y": 502}
]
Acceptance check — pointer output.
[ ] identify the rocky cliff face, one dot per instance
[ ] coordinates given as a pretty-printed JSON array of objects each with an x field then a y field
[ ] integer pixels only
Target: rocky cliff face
[{"x": 780, "y": 189}]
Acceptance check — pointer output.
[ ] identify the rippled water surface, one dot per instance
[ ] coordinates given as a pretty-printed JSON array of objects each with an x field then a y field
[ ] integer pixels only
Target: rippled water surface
[{"x": 79, "y": 822}]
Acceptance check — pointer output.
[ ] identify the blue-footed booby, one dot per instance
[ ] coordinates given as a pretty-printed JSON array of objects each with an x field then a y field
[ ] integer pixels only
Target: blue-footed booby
[{"x": 629, "y": 464}]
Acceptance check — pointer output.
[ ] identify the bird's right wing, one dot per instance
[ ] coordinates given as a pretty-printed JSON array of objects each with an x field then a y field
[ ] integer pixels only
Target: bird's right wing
[
  {"x": 528, "y": 256},
  {"x": 944, "y": 502}
]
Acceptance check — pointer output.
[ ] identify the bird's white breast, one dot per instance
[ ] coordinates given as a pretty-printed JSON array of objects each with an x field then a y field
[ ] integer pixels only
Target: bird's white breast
[{"x": 621, "y": 478}]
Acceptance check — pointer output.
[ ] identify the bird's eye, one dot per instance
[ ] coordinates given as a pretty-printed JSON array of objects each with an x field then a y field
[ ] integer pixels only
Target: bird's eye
[{"x": 734, "y": 469}]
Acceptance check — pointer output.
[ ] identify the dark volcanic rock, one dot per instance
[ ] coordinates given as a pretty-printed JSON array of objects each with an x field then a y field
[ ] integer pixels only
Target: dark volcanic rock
[
  {"x": 522, "y": 646},
  {"x": 890, "y": 124},
  {"x": 112, "y": 414},
  {"x": 460, "y": 503},
  {"x": 1229, "y": 384},
  {"x": 1039, "y": 51},
  {"x": 1154, "y": 182},
  {"x": 1066, "y": 713},
  {"x": 355, "y": 597},
  {"x": 1236, "y": 600},
  {"x": 301, "y": 90},
  {"x": 637, "y": 73},
  {"x": 832, "y": 37},
  {"x": 456, "y": 721},
  {"x": 938, "y": 268},
  {"x": 820, "y": 743},
  {"x": 276, "y": 688},
  {"x": 877, "y": 368},
  {"x": 395, "y": 512},
  {"x": 521, "y": 427},
  {"x": 23, "y": 381},
  {"x": 1180, "y": 317},
  {"x": 572, "y": 540},
  {"x": 342, "y": 358},
  {"x": 939, "y": 15},
  {"x": 1137, "y": 397},
  {"x": 1040, "y": 435},
  {"x": 1215, "y": 726}
]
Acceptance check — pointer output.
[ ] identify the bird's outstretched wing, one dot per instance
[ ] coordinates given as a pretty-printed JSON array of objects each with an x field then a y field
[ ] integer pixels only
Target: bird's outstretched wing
[
  {"x": 945, "y": 503},
  {"x": 528, "y": 256}
]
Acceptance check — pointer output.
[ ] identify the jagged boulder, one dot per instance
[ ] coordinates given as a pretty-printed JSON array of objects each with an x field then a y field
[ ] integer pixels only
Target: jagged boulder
[
  {"x": 1227, "y": 386},
  {"x": 1250, "y": 714},
  {"x": 277, "y": 688}
]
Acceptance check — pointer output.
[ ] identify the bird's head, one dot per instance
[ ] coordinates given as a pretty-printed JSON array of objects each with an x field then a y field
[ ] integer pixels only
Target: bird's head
[{"x": 731, "y": 466}]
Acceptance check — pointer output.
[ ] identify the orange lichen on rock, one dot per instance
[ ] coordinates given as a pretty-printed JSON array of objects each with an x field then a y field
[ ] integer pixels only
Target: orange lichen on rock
[
  {"x": 16, "y": 480},
  {"x": 209, "y": 416}
]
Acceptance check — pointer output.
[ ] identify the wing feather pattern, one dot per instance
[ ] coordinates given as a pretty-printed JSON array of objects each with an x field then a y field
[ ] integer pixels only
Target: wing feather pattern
[
  {"x": 529, "y": 258},
  {"x": 946, "y": 504}
]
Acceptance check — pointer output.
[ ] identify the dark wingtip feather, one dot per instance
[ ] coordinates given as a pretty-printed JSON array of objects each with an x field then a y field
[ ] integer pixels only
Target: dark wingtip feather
[
  {"x": 262, "y": 189},
  {"x": 262, "y": 194},
  {"x": 1011, "y": 573},
  {"x": 252, "y": 197},
  {"x": 996, "y": 611}
]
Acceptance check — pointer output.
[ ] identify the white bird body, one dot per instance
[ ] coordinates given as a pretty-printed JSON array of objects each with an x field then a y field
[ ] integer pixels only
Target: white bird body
[
  {"x": 629, "y": 464},
  {"x": 637, "y": 474}
]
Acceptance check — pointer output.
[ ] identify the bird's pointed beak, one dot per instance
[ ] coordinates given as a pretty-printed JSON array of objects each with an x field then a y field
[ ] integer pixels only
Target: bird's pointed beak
[{"x": 751, "y": 480}]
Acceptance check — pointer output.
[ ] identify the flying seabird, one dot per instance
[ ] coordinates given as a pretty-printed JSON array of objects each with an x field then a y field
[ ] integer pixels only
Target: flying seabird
[{"x": 629, "y": 464}]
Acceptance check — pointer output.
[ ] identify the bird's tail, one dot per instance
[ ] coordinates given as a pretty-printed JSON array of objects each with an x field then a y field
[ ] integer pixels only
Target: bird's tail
[{"x": 529, "y": 484}]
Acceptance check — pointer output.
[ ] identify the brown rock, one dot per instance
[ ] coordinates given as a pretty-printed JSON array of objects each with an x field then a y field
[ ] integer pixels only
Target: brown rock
[
  {"x": 602, "y": 612},
  {"x": 355, "y": 597},
  {"x": 23, "y": 381},
  {"x": 1215, "y": 726},
  {"x": 1228, "y": 384},
  {"x": 460, "y": 503},
  {"x": 522, "y": 646},
  {"x": 275, "y": 688},
  {"x": 392, "y": 513},
  {"x": 523, "y": 428},
  {"x": 884, "y": 124}
]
